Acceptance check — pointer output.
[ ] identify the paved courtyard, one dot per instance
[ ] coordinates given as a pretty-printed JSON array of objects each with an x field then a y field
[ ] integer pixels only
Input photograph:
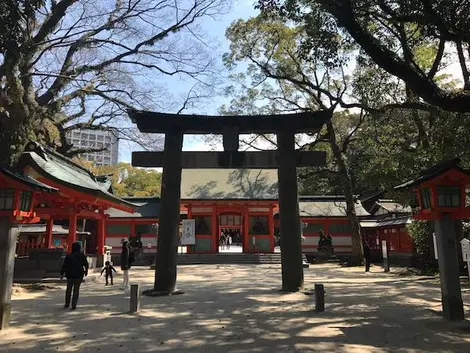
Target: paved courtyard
[{"x": 235, "y": 309}]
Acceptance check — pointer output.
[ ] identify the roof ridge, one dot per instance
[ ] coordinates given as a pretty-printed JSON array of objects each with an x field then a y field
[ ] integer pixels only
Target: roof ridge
[{"x": 33, "y": 146}]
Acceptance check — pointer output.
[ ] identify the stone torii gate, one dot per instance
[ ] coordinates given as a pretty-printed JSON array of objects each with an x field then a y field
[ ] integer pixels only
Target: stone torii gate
[{"x": 285, "y": 159}]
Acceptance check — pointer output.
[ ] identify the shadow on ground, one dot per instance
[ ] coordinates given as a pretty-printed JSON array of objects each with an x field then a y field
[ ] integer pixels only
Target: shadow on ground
[{"x": 230, "y": 308}]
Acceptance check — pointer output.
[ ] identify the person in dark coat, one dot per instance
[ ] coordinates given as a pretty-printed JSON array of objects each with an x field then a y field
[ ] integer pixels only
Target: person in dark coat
[
  {"x": 127, "y": 258},
  {"x": 74, "y": 267},
  {"x": 367, "y": 255}
]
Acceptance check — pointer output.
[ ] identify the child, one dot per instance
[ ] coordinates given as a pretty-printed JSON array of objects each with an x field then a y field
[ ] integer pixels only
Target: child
[{"x": 109, "y": 271}]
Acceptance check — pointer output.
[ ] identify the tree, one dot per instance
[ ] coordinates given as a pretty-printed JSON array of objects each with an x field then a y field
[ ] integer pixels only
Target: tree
[
  {"x": 70, "y": 64},
  {"x": 389, "y": 32},
  {"x": 128, "y": 181},
  {"x": 281, "y": 81}
]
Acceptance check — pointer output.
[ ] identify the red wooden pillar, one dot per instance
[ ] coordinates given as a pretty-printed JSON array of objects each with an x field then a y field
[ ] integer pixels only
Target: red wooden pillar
[
  {"x": 271, "y": 227},
  {"x": 101, "y": 233},
  {"x": 215, "y": 248},
  {"x": 246, "y": 227},
  {"x": 48, "y": 235},
  {"x": 72, "y": 231}
]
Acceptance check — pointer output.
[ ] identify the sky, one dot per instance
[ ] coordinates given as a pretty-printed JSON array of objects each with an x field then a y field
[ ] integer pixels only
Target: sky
[{"x": 241, "y": 9}]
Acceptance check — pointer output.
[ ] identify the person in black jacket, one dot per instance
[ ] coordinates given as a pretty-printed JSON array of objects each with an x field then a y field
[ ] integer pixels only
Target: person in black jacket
[
  {"x": 75, "y": 267},
  {"x": 127, "y": 258},
  {"x": 367, "y": 255}
]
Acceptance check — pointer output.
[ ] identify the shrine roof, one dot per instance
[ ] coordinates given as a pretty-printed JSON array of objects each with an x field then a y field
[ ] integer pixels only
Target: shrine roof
[
  {"x": 390, "y": 206},
  {"x": 433, "y": 172},
  {"x": 234, "y": 184},
  {"x": 41, "y": 228},
  {"x": 55, "y": 167},
  {"x": 327, "y": 206},
  {"x": 389, "y": 222},
  {"x": 146, "y": 207},
  {"x": 154, "y": 122},
  {"x": 25, "y": 179}
]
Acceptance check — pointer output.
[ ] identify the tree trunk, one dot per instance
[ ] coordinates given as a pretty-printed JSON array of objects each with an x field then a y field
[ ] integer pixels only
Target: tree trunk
[{"x": 357, "y": 251}]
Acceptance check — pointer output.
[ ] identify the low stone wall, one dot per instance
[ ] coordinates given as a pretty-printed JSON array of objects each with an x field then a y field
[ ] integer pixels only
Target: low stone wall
[{"x": 42, "y": 263}]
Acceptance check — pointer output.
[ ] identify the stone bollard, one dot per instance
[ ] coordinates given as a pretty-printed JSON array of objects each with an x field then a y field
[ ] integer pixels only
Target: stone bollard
[
  {"x": 319, "y": 298},
  {"x": 135, "y": 298}
]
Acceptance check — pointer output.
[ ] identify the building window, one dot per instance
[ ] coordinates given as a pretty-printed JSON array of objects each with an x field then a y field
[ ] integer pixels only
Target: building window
[
  {"x": 448, "y": 196},
  {"x": 121, "y": 229},
  {"x": 313, "y": 228},
  {"x": 25, "y": 200},
  {"x": 425, "y": 198},
  {"x": 145, "y": 229},
  {"x": 339, "y": 228},
  {"x": 230, "y": 220},
  {"x": 258, "y": 225},
  {"x": 203, "y": 225},
  {"x": 6, "y": 199}
]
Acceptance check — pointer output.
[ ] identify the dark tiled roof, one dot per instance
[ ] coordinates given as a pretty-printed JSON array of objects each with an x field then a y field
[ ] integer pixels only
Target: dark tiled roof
[
  {"x": 18, "y": 175},
  {"x": 391, "y": 207},
  {"x": 234, "y": 184},
  {"x": 62, "y": 170},
  {"x": 327, "y": 206},
  {"x": 433, "y": 172},
  {"x": 389, "y": 222},
  {"x": 147, "y": 207}
]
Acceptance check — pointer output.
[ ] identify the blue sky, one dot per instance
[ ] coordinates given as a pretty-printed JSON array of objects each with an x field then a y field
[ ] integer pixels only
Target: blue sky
[{"x": 215, "y": 28}]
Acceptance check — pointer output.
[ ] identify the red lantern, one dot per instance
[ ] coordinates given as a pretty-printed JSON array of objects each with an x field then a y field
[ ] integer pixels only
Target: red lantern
[
  {"x": 17, "y": 195},
  {"x": 441, "y": 190}
]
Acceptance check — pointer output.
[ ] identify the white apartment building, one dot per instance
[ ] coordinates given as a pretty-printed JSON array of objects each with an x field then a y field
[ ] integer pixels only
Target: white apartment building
[{"x": 96, "y": 139}]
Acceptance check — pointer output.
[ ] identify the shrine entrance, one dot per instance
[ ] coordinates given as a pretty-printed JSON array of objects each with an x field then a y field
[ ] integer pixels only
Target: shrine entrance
[
  {"x": 285, "y": 159},
  {"x": 231, "y": 238}
]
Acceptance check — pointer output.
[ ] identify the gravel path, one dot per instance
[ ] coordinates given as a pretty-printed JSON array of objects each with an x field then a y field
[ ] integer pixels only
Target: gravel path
[{"x": 235, "y": 309}]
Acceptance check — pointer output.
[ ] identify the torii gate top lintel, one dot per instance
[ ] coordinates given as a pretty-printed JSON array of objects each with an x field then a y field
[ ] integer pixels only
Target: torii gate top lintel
[{"x": 154, "y": 122}]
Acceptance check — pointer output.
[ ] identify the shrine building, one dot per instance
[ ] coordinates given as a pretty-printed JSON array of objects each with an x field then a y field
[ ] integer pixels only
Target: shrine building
[
  {"x": 240, "y": 202},
  {"x": 243, "y": 202}
]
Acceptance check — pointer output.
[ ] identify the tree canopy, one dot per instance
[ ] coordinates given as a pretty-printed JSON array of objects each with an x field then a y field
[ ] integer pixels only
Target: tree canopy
[
  {"x": 72, "y": 64},
  {"x": 397, "y": 35}
]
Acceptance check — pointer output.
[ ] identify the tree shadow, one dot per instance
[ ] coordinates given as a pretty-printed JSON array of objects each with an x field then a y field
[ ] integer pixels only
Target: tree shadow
[
  {"x": 238, "y": 184},
  {"x": 235, "y": 308}
]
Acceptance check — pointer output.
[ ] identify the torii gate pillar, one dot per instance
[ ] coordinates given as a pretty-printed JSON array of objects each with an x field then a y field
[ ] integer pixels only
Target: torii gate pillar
[{"x": 291, "y": 250}]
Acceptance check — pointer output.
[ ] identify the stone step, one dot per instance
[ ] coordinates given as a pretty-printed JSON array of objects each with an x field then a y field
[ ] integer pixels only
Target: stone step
[{"x": 230, "y": 258}]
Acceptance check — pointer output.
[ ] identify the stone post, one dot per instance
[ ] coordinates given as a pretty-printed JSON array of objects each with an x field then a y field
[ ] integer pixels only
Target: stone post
[
  {"x": 7, "y": 265},
  {"x": 291, "y": 248},
  {"x": 134, "y": 304},
  {"x": 447, "y": 255},
  {"x": 167, "y": 248}
]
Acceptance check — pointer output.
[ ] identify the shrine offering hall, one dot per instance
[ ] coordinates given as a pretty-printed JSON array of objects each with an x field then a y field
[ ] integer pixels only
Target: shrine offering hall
[{"x": 240, "y": 202}]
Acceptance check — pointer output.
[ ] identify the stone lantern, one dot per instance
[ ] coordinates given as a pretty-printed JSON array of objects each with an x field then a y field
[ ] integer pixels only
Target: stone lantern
[{"x": 441, "y": 196}]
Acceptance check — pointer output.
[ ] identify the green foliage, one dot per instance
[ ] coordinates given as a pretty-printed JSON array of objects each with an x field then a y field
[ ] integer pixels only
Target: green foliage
[
  {"x": 128, "y": 180},
  {"x": 421, "y": 233},
  {"x": 411, "y": 40}
]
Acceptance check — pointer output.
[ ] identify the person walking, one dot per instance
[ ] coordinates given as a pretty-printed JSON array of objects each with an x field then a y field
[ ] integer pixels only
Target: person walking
[
  {"x": 127, "y": 258},
  {"x": 367, "y": 255},
  {"x": 74, "y": 267}
]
